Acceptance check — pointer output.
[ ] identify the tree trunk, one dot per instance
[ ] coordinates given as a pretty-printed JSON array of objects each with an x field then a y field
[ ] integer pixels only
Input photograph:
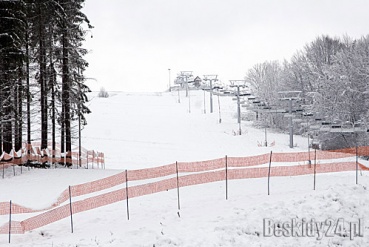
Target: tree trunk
[
  {"x": 18, "y": 124},
  {"x": 66, "y": 95},
  {"x": 28, "y": 92},
  {"x": 1, "y": 122},
  {"x": 43, "y": 82},
  {"x": 6, "y": 107},
  {"x": 52, "y": 85}
]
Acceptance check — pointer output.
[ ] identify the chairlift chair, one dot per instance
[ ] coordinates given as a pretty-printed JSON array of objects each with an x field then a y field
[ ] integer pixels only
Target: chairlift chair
[
  {"x": 359, "y": 127},
  {"x": 315, "y": 127},
  {"x": 325, "y": 126},
  {"x": 307, "y": 114},
  {"x": 336, "y": 126},
  {"x": 347, "y": 127}
]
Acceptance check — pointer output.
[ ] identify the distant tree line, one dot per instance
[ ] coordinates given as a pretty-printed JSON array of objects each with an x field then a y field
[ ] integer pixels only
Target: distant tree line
[
  {"x": 333, "y": 77},
  {"x": 42, "y": 86}
]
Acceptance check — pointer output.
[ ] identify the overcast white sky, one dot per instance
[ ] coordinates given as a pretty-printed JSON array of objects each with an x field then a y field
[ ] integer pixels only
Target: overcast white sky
[{"x": 135, "y": 42}]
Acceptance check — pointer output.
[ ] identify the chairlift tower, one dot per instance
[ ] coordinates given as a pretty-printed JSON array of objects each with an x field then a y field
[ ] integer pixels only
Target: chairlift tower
[
  {"x": 350, "y": 128},
  {"x": 211, "y": 79},
  {"x": 185, "y": 75},
  {"x": 169, "y": 87},
  {"x": 238, "y": 84},
  {"x": 290, "y": 96}
]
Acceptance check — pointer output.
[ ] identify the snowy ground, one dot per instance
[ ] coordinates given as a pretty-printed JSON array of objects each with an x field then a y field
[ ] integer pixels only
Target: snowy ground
[{"x": 146, "y": 130}]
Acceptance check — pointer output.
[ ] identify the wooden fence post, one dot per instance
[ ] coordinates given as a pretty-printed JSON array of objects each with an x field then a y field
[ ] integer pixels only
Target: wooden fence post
[
  {"x": 314, "y": 168},
  {"x": 179, "y": 205},
  {"x": 127, "y": 194},
  {"x": 70, "y": 209},
  {"x": 357, "y": 164},
  {"x": 270, "y": 165},
  {"x": 226, "y": 173},
  {"x": 10, "y": 219}
]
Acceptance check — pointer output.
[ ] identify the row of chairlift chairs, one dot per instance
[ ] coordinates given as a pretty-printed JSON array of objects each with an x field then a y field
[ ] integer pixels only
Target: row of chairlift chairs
[
  {"x": 338, "y": 126},
  {"x": 317, "y": 123}
]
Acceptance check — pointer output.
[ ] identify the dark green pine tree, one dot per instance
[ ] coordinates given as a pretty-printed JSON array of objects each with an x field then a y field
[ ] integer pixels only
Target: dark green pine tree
[
  {"x": 12, "y": 30},
  {"x": 71, "y": 34}
]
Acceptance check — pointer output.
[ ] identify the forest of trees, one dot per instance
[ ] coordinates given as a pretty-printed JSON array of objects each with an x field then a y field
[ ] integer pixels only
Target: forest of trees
[
  {"x": 42, "y": 87},
  {"x": 333, "y": 77}
]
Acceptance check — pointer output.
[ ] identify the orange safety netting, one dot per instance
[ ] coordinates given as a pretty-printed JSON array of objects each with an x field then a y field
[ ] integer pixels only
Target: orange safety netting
[
  {"x": 33, "y": 153},
  {"x": 200, "y": 173}
]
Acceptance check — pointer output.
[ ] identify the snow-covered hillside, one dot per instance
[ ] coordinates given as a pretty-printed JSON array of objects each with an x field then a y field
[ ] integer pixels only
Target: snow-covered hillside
[
  {"x": 144, "y": 130},
  {"x": 148, "y": 130}
]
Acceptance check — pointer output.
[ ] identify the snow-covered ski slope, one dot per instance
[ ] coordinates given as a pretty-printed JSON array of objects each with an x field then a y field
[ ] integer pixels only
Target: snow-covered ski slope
[{"x": 147, "y": 130}]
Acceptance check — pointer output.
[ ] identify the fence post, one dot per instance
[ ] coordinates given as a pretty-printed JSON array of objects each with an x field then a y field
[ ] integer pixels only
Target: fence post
[
  {"x": 226, "y": 173},
  {"x": 314, "y": 168},
  {"x": 70, "y": 209},
  {"x": 10, "y": 219},
  {"x": 357, "y": 164},
  {"x": 87, "y": 158},
  {"x": 127, "y": 194},
  {"x": 179, "y": 205},
  {"x": 270, "y": 165}
]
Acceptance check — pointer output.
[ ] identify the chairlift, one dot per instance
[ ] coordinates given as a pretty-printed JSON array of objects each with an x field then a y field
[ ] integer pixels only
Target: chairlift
[
  {"x": 315, "y": 127},
  {"x": 325, "y": 126},
  {"x": 347, "y": 127},
  {"x": 297, "y": 120},
  {"x": 218, "y": 93},
  {"x": 307, "y": 114},
  {"x": 281, "y": 111},
  {"x": 359, "y": 127},
  {"x": 289, "y": 95},
  {"x": 336, "y": 127}
]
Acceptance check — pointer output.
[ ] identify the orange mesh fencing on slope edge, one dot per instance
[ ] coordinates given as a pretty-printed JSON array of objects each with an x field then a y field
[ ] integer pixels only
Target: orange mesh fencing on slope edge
[
  {"x": 151, "y": 188},
  {"x": 199, "y": 166},
  {"x": 248, "y": 161},
  {"x": 148, "y": 173},
  {"x": 201, "y": 178},
  {"x": 166, "y": 184},
  {"x": 166, "y": 170},
  {"x": 34, "y": 153},
  {"x": 140, "y": 190},
  {"x": 292, "y": 170},
  {"x": 76, "y": 190},
  {"x": 98, "y": 185}
]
